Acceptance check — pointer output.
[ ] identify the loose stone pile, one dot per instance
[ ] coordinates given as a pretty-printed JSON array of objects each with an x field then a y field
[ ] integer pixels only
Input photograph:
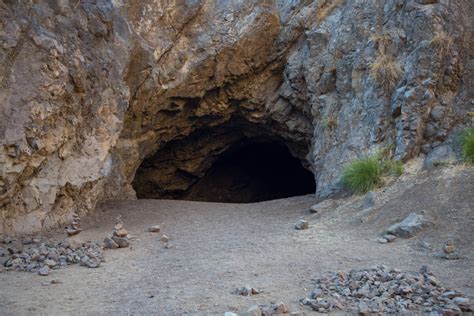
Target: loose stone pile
[
  {"x": 384, "y": 290},
  {"x": 39, "y": 255}
]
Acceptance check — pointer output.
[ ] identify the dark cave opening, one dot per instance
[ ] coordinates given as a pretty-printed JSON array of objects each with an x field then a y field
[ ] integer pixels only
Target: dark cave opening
[{"x": 253, "y": 172}]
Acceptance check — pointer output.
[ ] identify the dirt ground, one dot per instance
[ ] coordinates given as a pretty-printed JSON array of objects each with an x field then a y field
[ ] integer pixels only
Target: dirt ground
[{"x": 219, "y": 247}]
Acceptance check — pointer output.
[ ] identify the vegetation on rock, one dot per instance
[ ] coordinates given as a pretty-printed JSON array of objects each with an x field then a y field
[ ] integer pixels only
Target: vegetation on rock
[
  {"x": 362, "y": 175},
  {"x": 385, "y": 71},
  {"x": 467, "y": 144},
  {"x": 365, "y": 174}
]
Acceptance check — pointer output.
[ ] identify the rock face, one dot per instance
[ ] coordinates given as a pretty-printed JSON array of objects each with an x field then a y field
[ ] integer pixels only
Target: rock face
[{"x": 91, "y": 90}]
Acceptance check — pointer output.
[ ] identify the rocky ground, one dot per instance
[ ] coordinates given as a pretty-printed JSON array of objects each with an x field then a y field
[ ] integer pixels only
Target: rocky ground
[{"x": 211, "y": 258}]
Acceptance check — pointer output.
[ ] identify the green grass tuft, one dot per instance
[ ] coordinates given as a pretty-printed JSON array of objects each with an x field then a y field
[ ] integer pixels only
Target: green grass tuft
[
  {"x": 393, "y": 167},
  {"x": 363, "y": 174},
  {"x": 467, "y": 144}
]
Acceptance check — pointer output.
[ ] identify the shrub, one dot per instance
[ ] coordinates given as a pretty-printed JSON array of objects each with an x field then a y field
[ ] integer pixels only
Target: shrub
[
  {"x": 467, "y": 144},
  {"x": 363, "y": 174},
  {"x": 385, "y": 71}
]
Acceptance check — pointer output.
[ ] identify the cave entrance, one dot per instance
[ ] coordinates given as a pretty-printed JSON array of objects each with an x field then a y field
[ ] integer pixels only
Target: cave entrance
[
  {"x": 253, "y": 172},
  {"x": 223, "y": 167}
]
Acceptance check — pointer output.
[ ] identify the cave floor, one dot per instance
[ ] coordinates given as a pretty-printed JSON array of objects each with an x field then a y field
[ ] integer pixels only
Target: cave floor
[{"x": 219, "y": 247}]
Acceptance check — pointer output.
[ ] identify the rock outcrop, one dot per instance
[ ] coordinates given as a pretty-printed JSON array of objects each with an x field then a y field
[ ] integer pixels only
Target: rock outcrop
[{"x": 91, "y": 89}]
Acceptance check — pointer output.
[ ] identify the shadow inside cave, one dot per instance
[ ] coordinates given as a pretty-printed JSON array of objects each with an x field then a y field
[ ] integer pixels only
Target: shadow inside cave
[
  {"x": 249, "y": 170},
  {"x": 253, "y": 172}
]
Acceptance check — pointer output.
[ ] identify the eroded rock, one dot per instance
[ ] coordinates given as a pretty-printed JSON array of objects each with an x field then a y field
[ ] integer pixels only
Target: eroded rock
[{"x": 83, "y": 104}]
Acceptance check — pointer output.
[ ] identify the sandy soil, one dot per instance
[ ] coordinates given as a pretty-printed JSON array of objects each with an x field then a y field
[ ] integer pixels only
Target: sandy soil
[{"x": 219, "y": 247}]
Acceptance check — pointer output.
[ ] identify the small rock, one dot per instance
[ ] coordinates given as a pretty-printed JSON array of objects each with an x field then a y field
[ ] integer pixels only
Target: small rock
[
  {"x": 449, "y": 246},
  {"x": 280, "y": 308},
  {"x": 164, "y": 238},
  {"x": 382, "y": 240},
  {"x": 363, "y": 308},
  {"x": 122, "y": 242},
  {"x": 440, "y": 155},
  {"x": 71, "y": 231},
  {"x": 230, "y": 314},
  {"x": 110, "y": 244},
  {"x": 410, "y": 226},
  {"x": 44, "y": 271},
  {"x": 118, "y": 226},
  {"x": 50, "y": 263},
  {"x": 246, "y": 291},
  {"x": 121, "y": 232},
  {"x": 463, "y": 303},
  {"x": 301, "y": 224},
  {"x": 93, "y": 263},
  {"x": 154, "y": 229},
  {"x": 389, "y": 237}
]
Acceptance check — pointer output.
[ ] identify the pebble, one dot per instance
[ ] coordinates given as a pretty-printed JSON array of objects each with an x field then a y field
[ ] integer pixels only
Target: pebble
[
  {"x": 93, "y": 263},
  {"x": 301, "y": 224},
  {"x": 164, "y": 238},
  {"x": 44, "y": 271},
  {"x": 154, "y": 229},
  {"x": 389, "y": 237},
  {"x": 72, "y": 231},
  {"x": 280, "y": 308},
  {"x": 449, "y": 246},
  {"x": 246, "y": 291},
  {"x": 382, "y": 240}
]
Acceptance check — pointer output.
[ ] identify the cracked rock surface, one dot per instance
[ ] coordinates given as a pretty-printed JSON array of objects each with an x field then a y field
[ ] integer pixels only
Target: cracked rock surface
[{"x": 89, "y": 90}]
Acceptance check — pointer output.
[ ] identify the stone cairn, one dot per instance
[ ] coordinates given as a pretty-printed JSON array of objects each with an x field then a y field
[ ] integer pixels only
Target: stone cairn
[
  {"x": 75, "y": 227},
  {"x": 119, "y": 238},
  {"x": 384, "y": 290}
]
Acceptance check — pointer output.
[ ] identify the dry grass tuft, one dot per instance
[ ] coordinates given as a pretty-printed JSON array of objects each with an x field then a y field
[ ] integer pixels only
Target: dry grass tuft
[
  {"x": 443, "y": 42},
  {"x": 385, "y": 71},
  {"x": 325, "y": 9}
]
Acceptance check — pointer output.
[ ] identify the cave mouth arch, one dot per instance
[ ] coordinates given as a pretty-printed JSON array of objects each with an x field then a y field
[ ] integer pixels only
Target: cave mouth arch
[{"x": 246, "y": 170}]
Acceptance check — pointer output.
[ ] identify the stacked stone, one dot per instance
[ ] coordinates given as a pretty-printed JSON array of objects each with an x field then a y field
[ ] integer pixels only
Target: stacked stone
[
  {"x": 119, "y": 237},
  {"x": 40, "y": 255},
  {"x": 384, "y": 290},
  {"x": 75, "y": 227}
]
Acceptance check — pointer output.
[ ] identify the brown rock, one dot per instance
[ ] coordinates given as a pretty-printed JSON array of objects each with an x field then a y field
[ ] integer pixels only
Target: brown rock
[
  {"x": 122, "y": 242},
  {"x": 120, "y": 232}
]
